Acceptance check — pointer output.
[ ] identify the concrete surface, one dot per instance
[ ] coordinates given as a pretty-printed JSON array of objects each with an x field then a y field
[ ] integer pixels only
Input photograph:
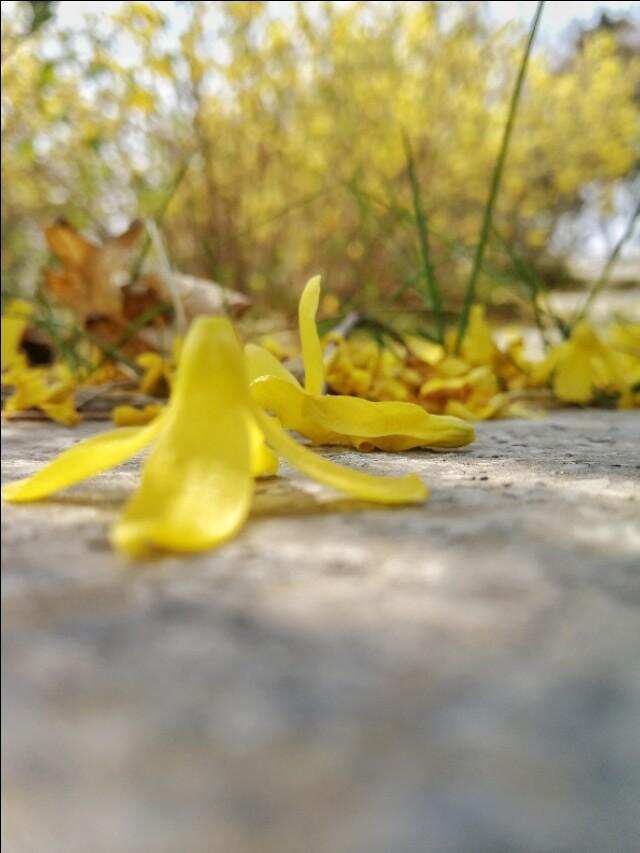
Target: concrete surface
[{"x": 463, "y": 676}]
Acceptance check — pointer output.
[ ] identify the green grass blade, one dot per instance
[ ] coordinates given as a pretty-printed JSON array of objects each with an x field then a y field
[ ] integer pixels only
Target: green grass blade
[
  {"x": 428, "y": 273},
  {"x": 498, "y": 168},
  {"x": 532, "y": 281},
  {"x": 171, "y": 191},
  {"x": 599, "y": 285}
]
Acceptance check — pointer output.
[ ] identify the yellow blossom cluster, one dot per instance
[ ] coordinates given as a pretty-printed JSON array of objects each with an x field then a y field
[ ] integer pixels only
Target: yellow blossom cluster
[
  {"x": 486, "y": 380},
  {"x": 321, "y": 94},
  {"x": 50, "y": 389},
  {"x": 217, "y": 434}
]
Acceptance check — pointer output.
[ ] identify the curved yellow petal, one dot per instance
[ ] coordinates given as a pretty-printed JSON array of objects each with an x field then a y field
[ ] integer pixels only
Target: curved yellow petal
[
  {"x": 407, "y": 422},
  {"x": 309, "y": 339},
  {"x": 264, "y": 462},
  {"x": 387, "y": 490},
  {"x": 83, "y": 460},
  {"x": 352, "y": 421},
  {"x": 260, "y": 362},
  {"x": 285, "y": 401},
  {"x": 196, "y": 485}
]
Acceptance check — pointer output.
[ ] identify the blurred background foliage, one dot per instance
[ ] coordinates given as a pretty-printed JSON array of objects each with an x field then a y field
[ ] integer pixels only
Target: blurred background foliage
[{"x": 287, "y": 121}]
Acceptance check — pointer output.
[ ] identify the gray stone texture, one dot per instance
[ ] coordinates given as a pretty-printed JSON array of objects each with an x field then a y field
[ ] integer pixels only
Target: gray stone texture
[{"x": 460, "y": 676}]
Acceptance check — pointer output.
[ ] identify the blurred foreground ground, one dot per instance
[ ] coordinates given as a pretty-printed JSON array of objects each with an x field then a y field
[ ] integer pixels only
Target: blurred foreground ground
[{"x": 461, "y": 676}]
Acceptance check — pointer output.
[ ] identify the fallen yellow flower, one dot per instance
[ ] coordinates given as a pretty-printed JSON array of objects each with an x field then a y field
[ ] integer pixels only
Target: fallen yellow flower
[
  {"x": 52, "y": 389},
  {"x": 340, "y": 419},
  {"x": 478, "y": 347},
  {"x": 157, "y": 375},
  {"x": 471, "y": 386},
  {"x": 14, "y": 324},
  {"x": 585, "y": 365},
  {"x": 207, "y": 446}
]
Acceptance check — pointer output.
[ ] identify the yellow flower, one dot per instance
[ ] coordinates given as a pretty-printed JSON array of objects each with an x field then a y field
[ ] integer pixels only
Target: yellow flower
[
  {"x": 625, "y": 337},
  {"x": 207, "y": 446},
  {"x": 426, "y": 351},
  {"x": 132, "y": 416},
  {"x": 275, "y": 347},
  {"x": 14, "y": 324},
  {"x": 342, "y": 420},
  {"x": 584, "y": 365},
  {"x": 478, "y": 346},
  {"x": 52, "y": 390},
  {"x": 157, "y": 375},
  {"x": 475, "y": 396},
  {"x": 511, "y": 365}
]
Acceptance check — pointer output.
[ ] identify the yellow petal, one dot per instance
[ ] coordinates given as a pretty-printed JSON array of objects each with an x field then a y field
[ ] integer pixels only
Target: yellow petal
[
  {"x": 14, "y": 323},
  {"x": 133, "y": 416},
  {"x": 387, "y": 490},
  {"x": 260, "y": 362},
  {"x": 83, "y": 460},
  {"x": 427, "y": 351},
  {"x": 155, "y": 372},
  {"x": 572, "y": 378},
  {"x": 264, "y": 462},
  {"x": 478, "y": 346},
  {"x": 62, "y": 409},
  {"x": 311, "y": 347},
  {"x": 285, "y": 400},
  {"x": 477, "y": 411},
  {"x": 410, "y": 425},
  {"x": 196, "y": 485},
  {"x": 274, "y": 346},
  {"x": 346, "y": 420}
]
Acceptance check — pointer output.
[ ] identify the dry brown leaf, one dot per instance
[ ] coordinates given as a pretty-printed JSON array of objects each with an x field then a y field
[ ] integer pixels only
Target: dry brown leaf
[
  {"x": 95, "y": 282},
  {"x": 92, "y": 277}
]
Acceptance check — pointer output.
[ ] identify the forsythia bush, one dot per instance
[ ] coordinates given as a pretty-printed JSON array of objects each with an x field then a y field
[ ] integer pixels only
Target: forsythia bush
[{"x": 289, "y": 117}]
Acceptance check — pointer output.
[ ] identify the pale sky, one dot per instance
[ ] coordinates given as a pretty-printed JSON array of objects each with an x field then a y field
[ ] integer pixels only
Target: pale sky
[{"x": 557, "y": 17}]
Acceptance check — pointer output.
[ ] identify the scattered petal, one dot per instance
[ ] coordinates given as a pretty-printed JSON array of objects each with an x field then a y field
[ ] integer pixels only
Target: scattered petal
[{"x": 309, "y": 339}]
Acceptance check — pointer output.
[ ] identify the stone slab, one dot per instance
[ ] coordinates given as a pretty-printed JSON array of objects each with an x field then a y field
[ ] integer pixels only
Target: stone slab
[{"x": 463, "y": 676}]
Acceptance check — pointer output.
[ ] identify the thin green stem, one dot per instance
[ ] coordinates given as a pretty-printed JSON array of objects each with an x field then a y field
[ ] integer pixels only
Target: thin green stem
[
  {"x": 498, "y": 168},
  {"x": 146, "y": 246},
  {"x": 428, "y": 273},
  {"x": 452, "y": 247},
  {"x": 142, "y": 320},
  {"x": 531, "y": 281},
  {"x": 51, "y": 325},
  {"x": 603, "y": 278}
]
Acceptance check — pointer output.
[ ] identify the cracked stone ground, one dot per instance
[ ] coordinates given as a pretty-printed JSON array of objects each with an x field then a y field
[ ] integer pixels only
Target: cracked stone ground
[{"x": 462, "y": 676}]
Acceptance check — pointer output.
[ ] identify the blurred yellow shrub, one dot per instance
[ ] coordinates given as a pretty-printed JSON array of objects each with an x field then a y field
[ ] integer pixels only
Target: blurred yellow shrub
[{"x": 292, "y": 116}]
